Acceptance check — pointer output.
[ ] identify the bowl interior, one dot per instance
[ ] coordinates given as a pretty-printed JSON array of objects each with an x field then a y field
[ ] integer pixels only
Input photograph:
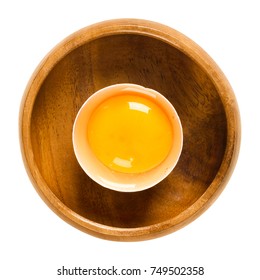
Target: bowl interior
[{"x": 152, "y": 63}]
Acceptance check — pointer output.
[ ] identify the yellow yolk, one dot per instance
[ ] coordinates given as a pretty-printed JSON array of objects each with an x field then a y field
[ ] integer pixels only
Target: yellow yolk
[{"x": 130, "y": 133}]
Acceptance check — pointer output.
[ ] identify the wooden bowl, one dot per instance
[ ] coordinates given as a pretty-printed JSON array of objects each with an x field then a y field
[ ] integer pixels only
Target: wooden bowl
[{"x": 154, "y": 56}]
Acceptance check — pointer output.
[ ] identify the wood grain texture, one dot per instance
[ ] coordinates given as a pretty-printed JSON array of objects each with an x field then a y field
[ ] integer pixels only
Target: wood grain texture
[{"x": 154, "y": 56}]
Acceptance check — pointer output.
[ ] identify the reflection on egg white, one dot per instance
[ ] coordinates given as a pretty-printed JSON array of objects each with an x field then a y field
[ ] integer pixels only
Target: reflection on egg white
[{"x": 117, "y": 185}]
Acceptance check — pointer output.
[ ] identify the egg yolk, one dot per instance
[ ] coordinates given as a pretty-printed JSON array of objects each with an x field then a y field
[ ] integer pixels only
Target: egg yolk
[{"x": 130, "y": 133}]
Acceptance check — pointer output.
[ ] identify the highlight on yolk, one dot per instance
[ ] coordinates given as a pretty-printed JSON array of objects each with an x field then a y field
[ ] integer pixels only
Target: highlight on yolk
[{"x": 130, "y": 133}]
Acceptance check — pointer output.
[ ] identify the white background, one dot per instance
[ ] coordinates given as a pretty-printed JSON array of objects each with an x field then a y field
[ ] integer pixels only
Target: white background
[{"x": 34, "y": 242}]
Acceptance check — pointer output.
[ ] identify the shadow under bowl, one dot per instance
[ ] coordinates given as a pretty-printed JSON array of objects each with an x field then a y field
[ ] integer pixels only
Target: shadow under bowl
[{"x": 154, "y": 56}]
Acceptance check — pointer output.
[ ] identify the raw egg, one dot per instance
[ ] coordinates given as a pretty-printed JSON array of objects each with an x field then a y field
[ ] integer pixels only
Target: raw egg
[
  {"x": 127, "y": 138},
  {"x": 130, "y": 133}
]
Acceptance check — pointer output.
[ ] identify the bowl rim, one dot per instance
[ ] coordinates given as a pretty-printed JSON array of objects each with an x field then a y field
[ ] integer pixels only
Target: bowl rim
[{"x": 175, "y": 39}]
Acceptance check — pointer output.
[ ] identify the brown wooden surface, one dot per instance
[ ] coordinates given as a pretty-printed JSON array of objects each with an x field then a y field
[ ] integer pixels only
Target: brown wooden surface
[{"x": 152, "y": 55}]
